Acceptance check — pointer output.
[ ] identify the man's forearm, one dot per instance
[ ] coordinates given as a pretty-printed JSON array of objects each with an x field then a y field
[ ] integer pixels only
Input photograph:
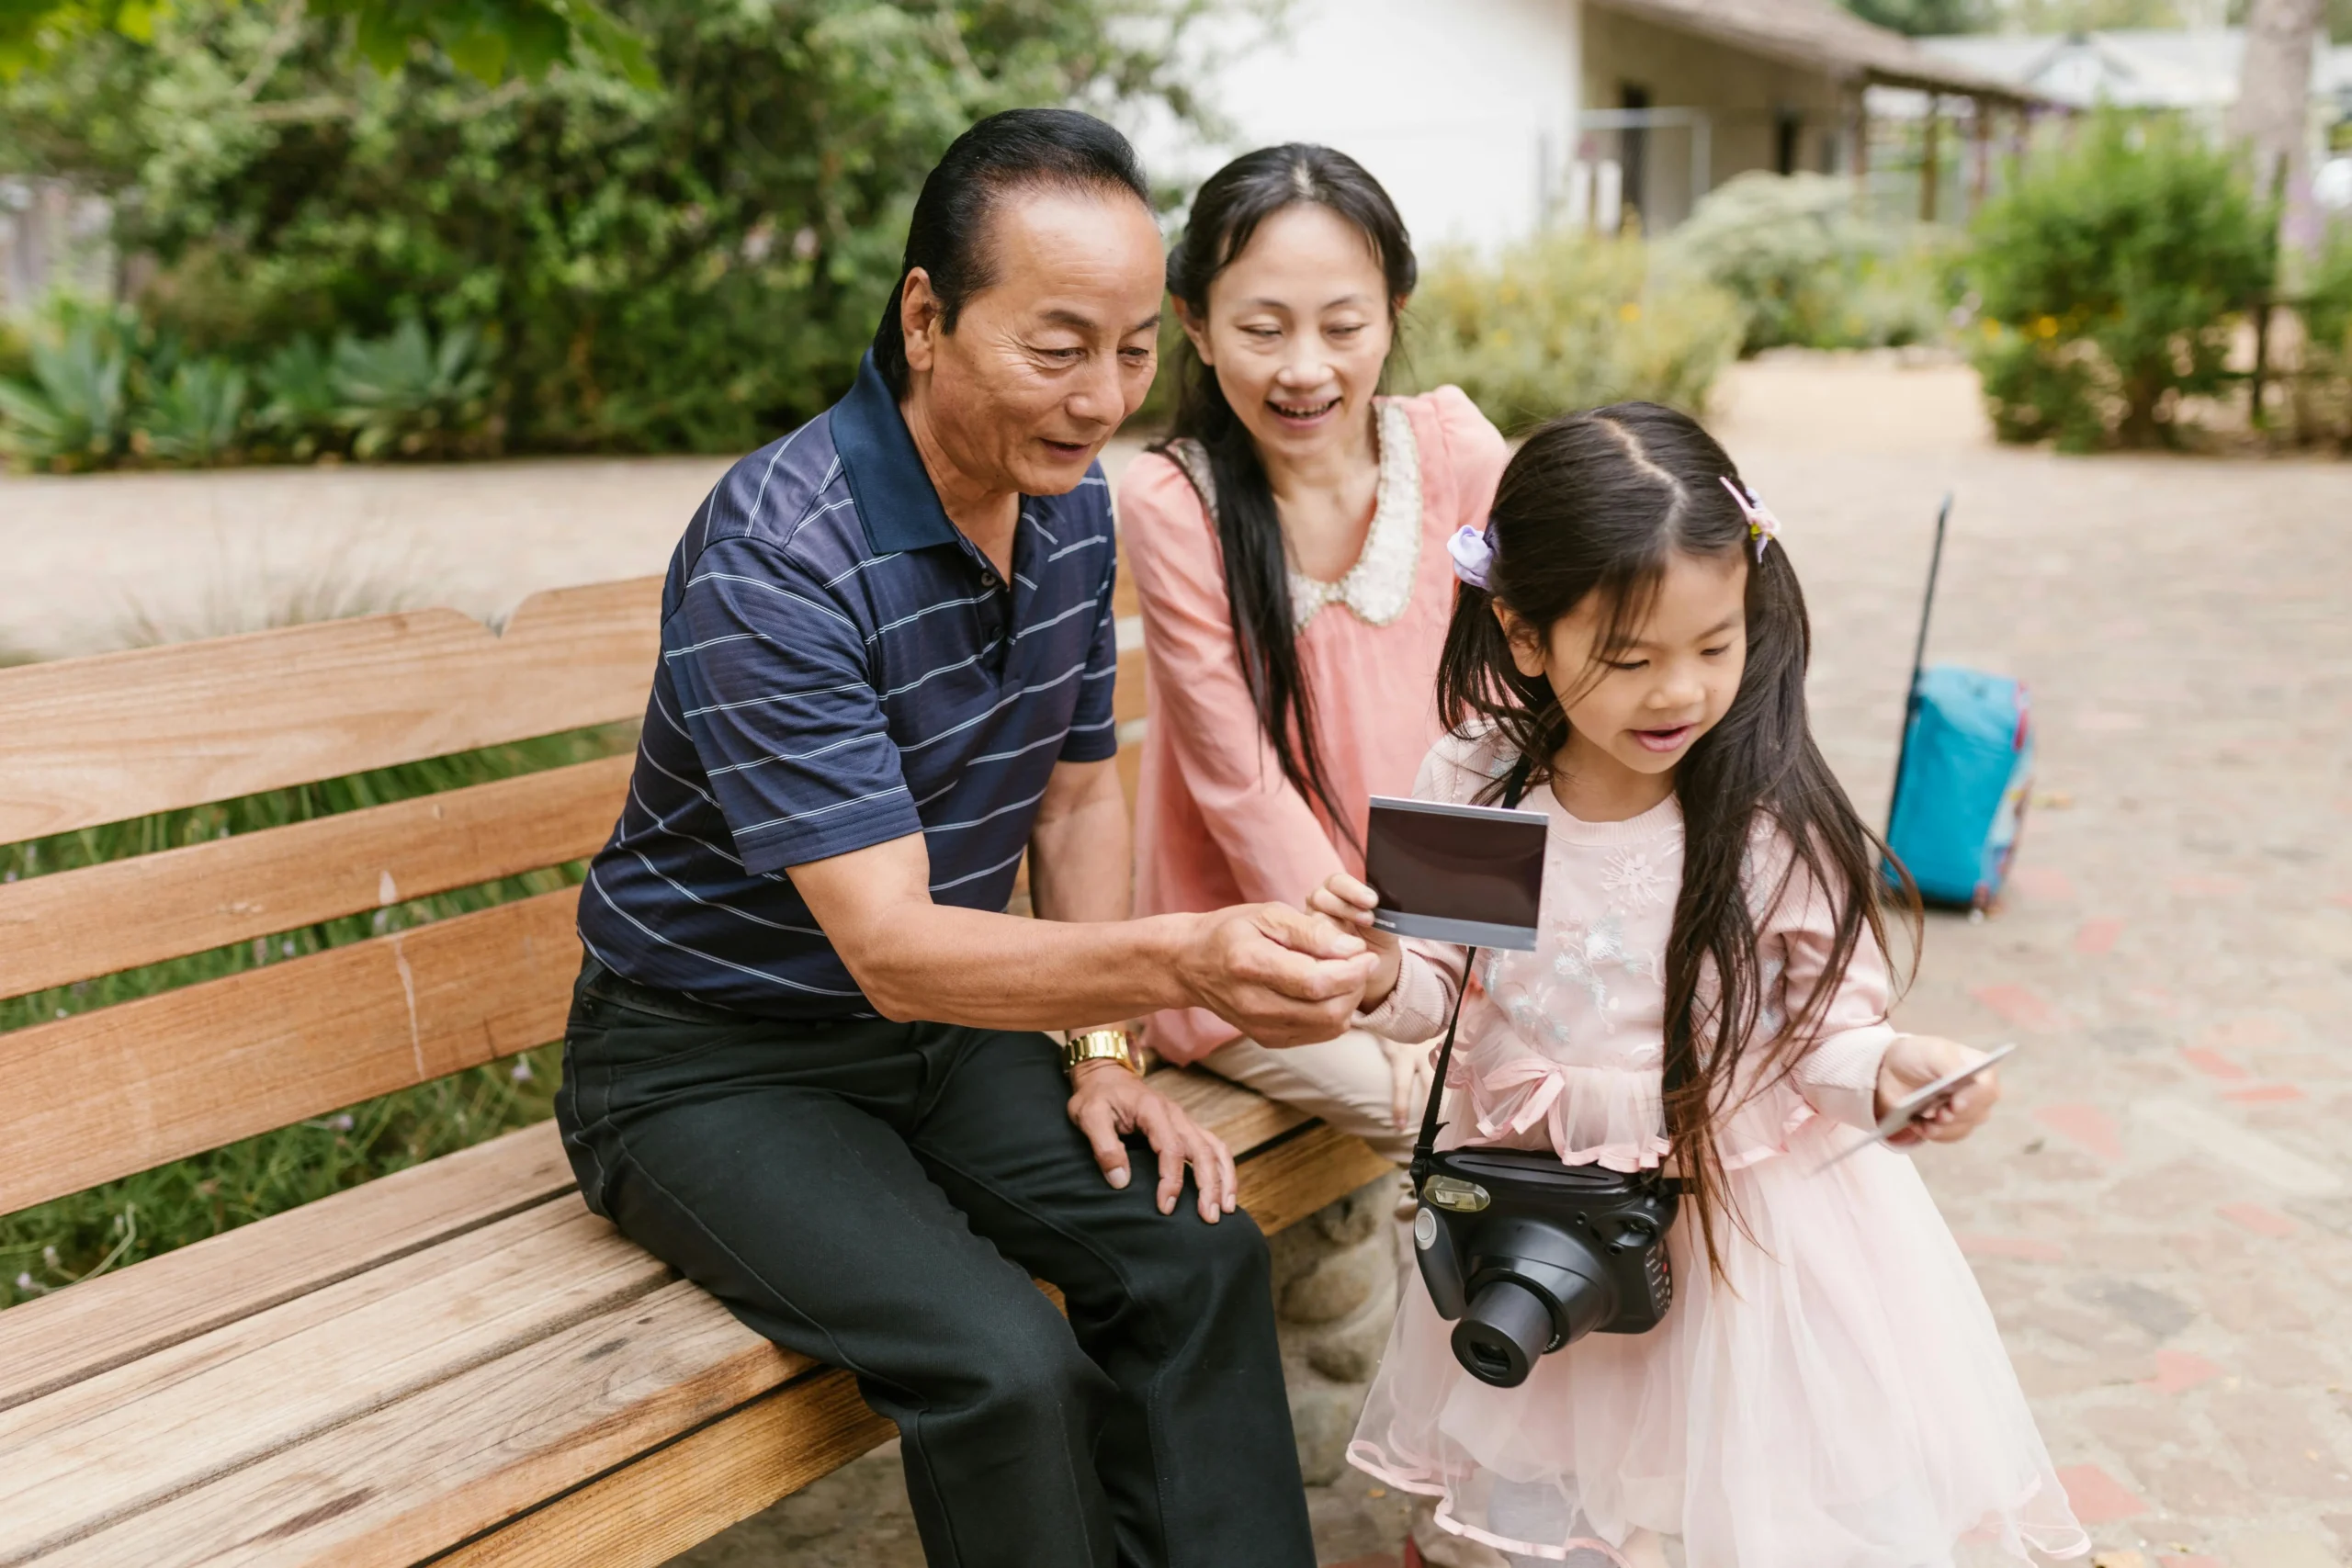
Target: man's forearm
[{"x": 949, "y": 966}]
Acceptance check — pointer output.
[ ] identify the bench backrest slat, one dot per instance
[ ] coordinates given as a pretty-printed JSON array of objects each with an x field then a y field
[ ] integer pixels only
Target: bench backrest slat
[
  {"x": 120, "y": 914},
  {"x": 91, "y": 740},
  {"x": 101, "y": 1094},
  {"x": 115, "y": 1089}
]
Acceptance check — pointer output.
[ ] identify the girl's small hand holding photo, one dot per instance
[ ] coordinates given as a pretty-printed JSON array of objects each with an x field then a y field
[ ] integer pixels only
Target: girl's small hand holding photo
[
  {"x": 1349, "y": 902},
  {"x": 1914, "y": 1061}
]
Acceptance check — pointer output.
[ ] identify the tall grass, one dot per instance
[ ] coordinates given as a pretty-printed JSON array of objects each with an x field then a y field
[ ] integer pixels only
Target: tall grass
[{"x": 55, "y": 1244}]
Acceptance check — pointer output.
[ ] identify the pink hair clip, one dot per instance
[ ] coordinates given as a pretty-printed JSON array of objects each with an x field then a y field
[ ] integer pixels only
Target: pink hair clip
[{"x": 1762, "y": 526}]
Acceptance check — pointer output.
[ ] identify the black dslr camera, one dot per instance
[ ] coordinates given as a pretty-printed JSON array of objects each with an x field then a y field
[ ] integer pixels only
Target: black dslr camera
[
  {"x": 1523, "y": 1254},
  {"x": 1520, "y": 1251}
]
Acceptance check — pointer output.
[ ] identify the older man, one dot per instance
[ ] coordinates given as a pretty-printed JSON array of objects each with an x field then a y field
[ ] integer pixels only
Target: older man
[{"x": 804, "y": 1062}]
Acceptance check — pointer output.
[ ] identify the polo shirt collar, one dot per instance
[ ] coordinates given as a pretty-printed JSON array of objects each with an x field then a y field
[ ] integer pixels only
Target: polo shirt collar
[{"x": 896, "y": 500}]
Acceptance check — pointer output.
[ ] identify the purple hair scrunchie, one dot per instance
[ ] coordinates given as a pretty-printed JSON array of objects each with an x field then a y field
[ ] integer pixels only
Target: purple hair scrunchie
[{"x": 1473, "y": 555}]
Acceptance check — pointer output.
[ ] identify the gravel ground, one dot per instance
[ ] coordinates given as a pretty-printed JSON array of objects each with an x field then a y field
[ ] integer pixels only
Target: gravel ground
[{"x": 2161, "y": 1214}]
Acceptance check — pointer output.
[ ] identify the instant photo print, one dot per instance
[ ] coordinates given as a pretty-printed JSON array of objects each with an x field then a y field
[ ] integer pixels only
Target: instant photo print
[{"x": 1468, "y": 873}]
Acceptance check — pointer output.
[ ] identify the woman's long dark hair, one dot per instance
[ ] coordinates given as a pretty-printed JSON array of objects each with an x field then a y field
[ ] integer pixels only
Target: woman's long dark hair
[
  {"x": 1225, "y": 213},
  {"x": 1598, "y": 503}
]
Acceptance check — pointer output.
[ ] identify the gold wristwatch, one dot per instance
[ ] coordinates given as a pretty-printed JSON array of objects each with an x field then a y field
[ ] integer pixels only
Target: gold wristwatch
[{"x": 1097, "y": 1045}]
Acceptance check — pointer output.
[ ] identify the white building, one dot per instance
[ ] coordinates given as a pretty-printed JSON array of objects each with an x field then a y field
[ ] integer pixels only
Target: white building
[{"x": 1487, "y": 119}]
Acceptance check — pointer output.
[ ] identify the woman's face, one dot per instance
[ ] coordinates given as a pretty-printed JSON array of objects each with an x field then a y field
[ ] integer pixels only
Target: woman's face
[{"x": 1297, "y": 330}]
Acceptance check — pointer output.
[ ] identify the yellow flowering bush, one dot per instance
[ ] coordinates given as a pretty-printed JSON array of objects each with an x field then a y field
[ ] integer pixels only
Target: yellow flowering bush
[{"x": 1566, "y": 321}]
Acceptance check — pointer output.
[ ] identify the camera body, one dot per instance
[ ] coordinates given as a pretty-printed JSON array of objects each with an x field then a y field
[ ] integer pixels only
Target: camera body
[{"x": 1524, "y": 1254}]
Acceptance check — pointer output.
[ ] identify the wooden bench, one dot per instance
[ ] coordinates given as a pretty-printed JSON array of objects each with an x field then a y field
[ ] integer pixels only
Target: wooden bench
[{"x": 456, "y": 1364}]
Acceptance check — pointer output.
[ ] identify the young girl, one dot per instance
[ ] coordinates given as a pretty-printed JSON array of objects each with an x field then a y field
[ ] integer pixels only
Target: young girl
[{"x": 1828, "y": 1390}]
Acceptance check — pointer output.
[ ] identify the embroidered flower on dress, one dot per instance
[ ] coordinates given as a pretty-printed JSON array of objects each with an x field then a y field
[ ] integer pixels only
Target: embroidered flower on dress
[
  {"x": 1629, "y": 873},
  {"x": 1584, "y": 951}
]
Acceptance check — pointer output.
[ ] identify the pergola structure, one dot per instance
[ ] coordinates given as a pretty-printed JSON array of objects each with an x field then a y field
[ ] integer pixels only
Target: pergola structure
[{"x": 1822, "y": 38}]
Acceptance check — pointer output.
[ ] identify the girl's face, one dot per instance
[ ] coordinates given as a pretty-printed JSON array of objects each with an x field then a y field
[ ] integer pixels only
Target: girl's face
[
  {"x": 1641, "y": 706},
  {"x": 1297, "y": 330}
]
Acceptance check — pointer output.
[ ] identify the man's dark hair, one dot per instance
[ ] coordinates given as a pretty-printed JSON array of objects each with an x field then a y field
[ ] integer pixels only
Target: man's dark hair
[{"x": 1019, "y": 149}]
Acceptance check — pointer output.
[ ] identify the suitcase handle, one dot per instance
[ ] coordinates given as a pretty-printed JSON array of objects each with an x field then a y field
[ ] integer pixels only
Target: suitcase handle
[{"x": 1918, "y": 660}]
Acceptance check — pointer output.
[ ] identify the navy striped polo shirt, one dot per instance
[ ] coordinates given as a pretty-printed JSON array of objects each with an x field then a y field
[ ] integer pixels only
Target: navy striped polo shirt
[{"x": 841, "y": 667}]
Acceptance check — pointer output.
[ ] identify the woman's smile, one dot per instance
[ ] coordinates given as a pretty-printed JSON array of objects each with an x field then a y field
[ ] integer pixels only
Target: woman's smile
[{"x": 1298, "y": 415}]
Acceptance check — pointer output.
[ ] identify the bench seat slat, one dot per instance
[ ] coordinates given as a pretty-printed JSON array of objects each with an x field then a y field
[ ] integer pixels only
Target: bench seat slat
[
  {"x": 394, "y": 1486},
  {"x": 60, "y": 1339},
  {"x": 124, "y": 1087},
  {"x": 112, "y": 1446},
  {"x": 590, "y": 1407},
  {"x": 645, "y": 1514},
  {"x": 649, "y": 1511},
  {"x": 120, "y": 914},
  {"x": 99, "y": 739}
]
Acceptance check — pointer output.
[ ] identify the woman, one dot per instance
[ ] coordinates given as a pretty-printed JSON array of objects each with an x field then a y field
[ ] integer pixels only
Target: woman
[{"x": 1288, "y": 542}]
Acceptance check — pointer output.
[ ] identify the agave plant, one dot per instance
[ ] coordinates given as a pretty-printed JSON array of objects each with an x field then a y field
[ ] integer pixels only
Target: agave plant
[
  {"x": 67, "y": 414},
  {"x": 302, "y": 401},
  {"x": 197, "y": 416},
  {"x": 403, "y": 393}
]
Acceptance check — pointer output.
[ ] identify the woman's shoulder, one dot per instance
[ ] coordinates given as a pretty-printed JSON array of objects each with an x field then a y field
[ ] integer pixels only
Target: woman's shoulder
[
  {"x": 1448, "y": 413},
  {"x": 1157, "y": 493},
  {"x": 1461, "y": 448}
]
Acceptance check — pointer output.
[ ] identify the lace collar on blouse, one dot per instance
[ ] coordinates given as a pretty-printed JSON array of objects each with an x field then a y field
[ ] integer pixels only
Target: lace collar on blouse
[{"x": 1379, "y": 586}]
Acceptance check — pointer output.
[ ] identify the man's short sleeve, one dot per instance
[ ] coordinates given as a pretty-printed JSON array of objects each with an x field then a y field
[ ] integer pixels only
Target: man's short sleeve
[
  {"x": 777, "y": 695},
  {"x": 1094, "y": 728}
]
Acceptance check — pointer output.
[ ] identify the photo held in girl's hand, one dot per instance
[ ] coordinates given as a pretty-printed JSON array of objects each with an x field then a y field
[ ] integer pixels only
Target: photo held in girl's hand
[{"x": 1707, "y": 999}]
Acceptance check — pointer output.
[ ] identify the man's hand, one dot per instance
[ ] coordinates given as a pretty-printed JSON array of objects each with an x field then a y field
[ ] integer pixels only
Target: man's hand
[
  {"x": 1914, "y": 1062},
  {"x": 1280, "y": 976},
  {"x": 1106, "y": 1100}
]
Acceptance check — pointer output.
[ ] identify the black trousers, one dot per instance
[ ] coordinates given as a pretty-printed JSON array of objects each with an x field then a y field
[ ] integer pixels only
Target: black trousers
[{"x": 878, "y": 1196}]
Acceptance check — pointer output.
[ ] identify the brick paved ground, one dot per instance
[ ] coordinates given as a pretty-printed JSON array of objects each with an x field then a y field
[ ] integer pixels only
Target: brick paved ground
[{"x": 2162, "y": 1214}]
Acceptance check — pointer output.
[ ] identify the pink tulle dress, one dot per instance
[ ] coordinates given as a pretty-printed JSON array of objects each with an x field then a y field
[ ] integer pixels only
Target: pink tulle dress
[{"x": 1839, "y": 1398}]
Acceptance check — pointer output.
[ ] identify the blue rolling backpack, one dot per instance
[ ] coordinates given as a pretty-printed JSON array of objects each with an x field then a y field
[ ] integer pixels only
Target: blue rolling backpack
[{"x": 1962, "y": 772}]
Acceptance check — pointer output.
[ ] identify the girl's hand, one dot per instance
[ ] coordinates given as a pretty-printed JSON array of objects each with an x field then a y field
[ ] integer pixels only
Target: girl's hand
[
  {"x": 1914, "y": 1062},
  {"x": 1349, "y": 904},
  {"x": 1409, "y": 1072}
]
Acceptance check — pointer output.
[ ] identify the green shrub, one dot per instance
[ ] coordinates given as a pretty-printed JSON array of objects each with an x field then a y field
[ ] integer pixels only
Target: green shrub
[
  {"x": 2119, "y": 264},
  {"x": 1567, "y": 321},
  {"x": 300, "y": 403},
  {"x": 139, "y": 1216},
  {"x": 197, "y": 418},
  {"x": 696, "y": 266},
  {"x": 1808, "y": 271},
  {"x": 405, "y": 394},
  {"x": 2323, "y": 396},
  {"x": 68, "y": 411}
]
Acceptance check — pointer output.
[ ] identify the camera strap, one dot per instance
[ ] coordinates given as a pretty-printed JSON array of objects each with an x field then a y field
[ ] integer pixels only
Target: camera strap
[
  {"x": 1677, "y": 1069},
  {"x": 1514, "y": 789}
]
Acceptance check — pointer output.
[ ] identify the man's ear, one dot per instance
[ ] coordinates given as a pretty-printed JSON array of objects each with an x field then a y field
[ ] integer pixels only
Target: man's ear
[
  {"x": 919, "y": 315},
  {"x": 1195, "y": 328},
  {"x": 1525, "y": 642}
]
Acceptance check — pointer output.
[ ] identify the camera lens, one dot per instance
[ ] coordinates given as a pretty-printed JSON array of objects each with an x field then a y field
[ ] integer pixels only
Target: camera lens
[{"x": 1507, "y": 1328}]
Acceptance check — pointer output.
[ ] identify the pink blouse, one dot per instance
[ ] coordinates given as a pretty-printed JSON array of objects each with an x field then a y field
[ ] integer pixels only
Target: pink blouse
[{"x": 1215, "y": 821}]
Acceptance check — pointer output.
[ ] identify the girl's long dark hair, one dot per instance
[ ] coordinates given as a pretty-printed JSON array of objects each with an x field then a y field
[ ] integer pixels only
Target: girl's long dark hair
[
  {"x": 1225, "y": 213},
  {"x": 1598, "y": 503}
]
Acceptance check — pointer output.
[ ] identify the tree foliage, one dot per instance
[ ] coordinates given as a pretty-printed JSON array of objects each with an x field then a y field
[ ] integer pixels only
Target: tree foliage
[
  {"x": 488, "y": 39},
  {"x": 689, "y": 265}
]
